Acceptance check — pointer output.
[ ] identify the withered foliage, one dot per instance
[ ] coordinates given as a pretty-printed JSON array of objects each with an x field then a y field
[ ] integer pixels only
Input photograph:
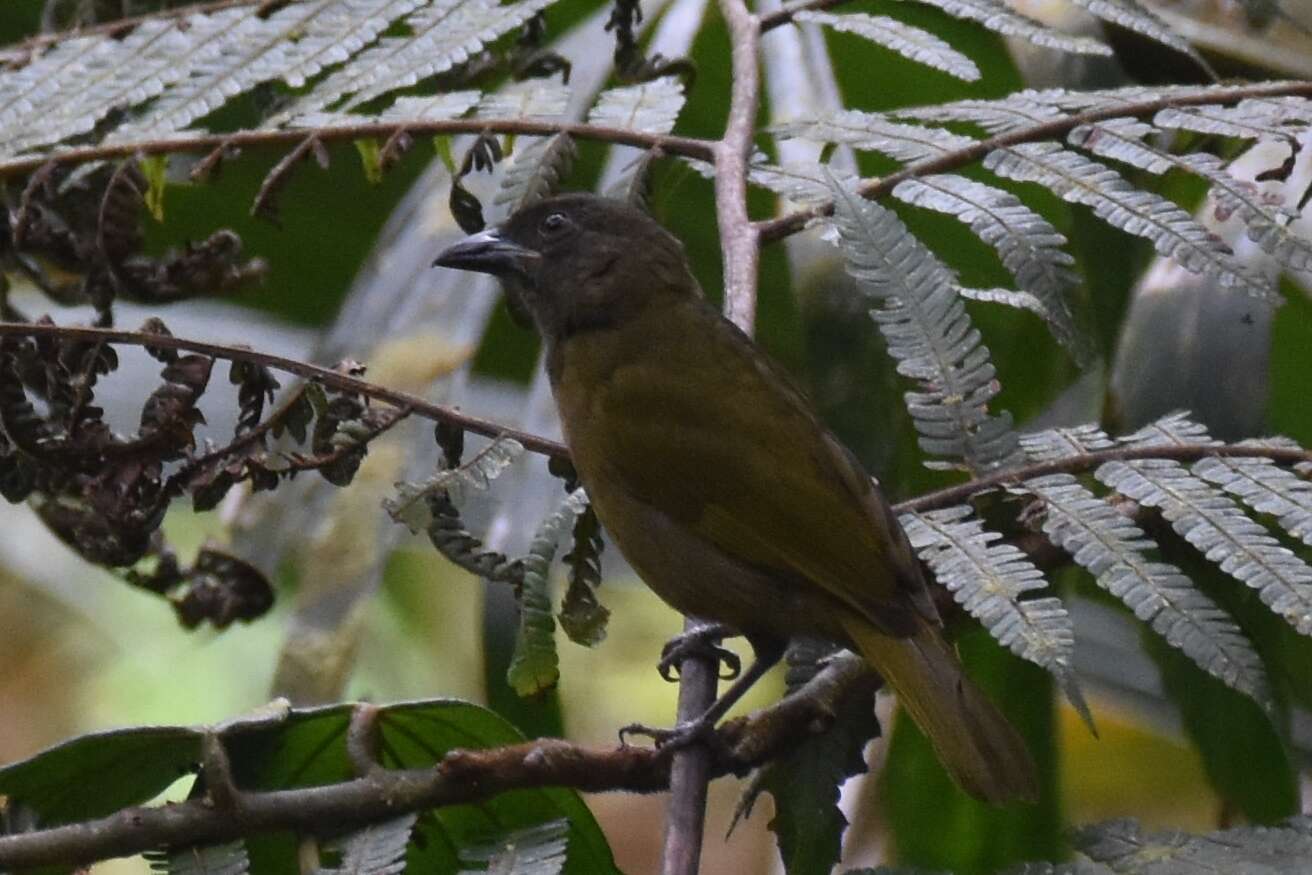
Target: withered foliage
[
  {"x": 105, "y": 494},
  {"x": 79, "y": 239}
]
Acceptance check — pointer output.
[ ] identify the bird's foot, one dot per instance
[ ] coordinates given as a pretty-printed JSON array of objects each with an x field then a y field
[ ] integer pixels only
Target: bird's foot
[
  {"x": 701, "y": 641},
  {"x": 675, "y": 738}
]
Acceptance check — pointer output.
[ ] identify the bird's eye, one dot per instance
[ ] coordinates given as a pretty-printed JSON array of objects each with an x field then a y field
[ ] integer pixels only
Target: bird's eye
[{"x": 554, "y": 223}]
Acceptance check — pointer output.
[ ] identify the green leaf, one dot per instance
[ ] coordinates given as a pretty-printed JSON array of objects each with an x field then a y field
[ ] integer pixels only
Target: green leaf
[
  {"x": 155, "y": 168},
  {"x": 310, "y": 749},
  {"x": 371, "y": 160},
  {"x": 1244, "y": 757},
  {"x": 97, "y": 774}
]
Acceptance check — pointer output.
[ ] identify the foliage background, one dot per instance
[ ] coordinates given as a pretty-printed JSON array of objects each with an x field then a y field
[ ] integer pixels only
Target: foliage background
[{"x": 81, "y": 652}]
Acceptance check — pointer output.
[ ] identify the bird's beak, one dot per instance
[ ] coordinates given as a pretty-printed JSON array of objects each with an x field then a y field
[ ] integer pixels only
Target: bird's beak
[{"x": 489, "y": 252}]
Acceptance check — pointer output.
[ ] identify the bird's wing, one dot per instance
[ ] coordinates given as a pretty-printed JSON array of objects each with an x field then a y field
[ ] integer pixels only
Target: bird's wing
[{"x": 709, "y": 432}]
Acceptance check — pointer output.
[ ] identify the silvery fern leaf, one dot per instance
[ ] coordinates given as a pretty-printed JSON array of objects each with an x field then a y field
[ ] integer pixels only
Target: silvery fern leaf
[
  {"x": 802, "y": 183},
  {"x": 534, "y": 98},
  {"x": 1212, "y": 522},
  {"x": 410, "y": 505},
  {"x": 95, "y": 76},
  {"x": 910, "y": 42},
  {"x": 1114, "y": 550},
  {"x": 1131, "y": 15},
  {"x": 429, "y": 108},
  {"x": 1173, "y": 232},
  {"x": 988, "y": 579},
  {"x": 1266, "y": 488},
  {"x": 651, "y": 107},
  {"x": 443, "y": 34},
  {"x": 294, "y": 43},
  {"x": 873, "y": 132},
  {"x": 1007, "y": 297},
  {"x": 1280, "y": 849},
  {"x": 1027, "y": 244},
  {"x": 229, "y": 859},
  {"x": 377, "y": 849},
  {"x": 929, "y": 334},
  {"x": 537, "y": 850},
  {"x": 535, "y": 172},
  {"x": 1272, "y": 118},
  {"x": 995, "y": 116},
  {"x": 1000, "y": 18},
  {"x": 1268, "y": 225}
]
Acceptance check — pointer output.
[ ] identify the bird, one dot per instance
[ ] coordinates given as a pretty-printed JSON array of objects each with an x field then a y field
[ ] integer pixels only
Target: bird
[{"x": 717, "y": 481}]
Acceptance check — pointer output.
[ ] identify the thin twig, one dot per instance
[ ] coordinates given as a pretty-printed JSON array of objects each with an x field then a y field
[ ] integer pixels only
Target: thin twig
[
  {"x": 324, "y": 376},
  {"x": 689, "y": 147},
  {"x": 777, "y": 229},
  {"x": 463, "y": 776},
  {"x": 941, "y": 498},
  {"x": 780, "y": 17}
]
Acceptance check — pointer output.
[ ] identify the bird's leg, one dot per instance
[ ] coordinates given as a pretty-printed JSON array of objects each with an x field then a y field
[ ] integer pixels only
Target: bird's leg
[
  {"x": 767, "y": 653},
  {"x": 701, "y": 641}
]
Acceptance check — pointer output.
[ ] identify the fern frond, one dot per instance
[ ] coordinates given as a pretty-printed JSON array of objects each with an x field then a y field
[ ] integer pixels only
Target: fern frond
[
  {"x": 1268, "y": 225},
  {"x": 534, "y": 98},
  {"x": 873, "y": 132},
  {"x": 1173, "y": 232},
  {"x": 443, "y": 34},
  {"x": 800, "y": 183},
  {"x": 652, "y": 107},
  {"x": 988, "y": 580},
  {"x": 76, "y": 84},
  {"x": 537, "y": 850},
  {"x": 1131, "y": 15},
  {"x": 293, "y": 44},
  {"x": 1213, "y": 523},
  {"x": 535, "y": 172},
  {"x": 929, "y": 333},
  {"x": 377, "y": 849},
  {"x": 1281, "y": 849},
  {"x": 1027, "y": 244},
  {"x": 1114, "y": 550},
  {"x": 910, "y": 42},
  {"x": 1257, "y": 119},
  {"x": 995, "y": 116},
  {"x": 1000, "y": 18},
  {"x": 535, "y": 667},
  {"x": 1266, "y": 488},
  {"x": 411, "y": 507},
  {"x": 229, "y": 859}
]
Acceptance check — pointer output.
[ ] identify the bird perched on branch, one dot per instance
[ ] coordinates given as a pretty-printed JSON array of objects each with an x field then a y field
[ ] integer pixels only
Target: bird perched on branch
[{"x": 716, "y": 479}]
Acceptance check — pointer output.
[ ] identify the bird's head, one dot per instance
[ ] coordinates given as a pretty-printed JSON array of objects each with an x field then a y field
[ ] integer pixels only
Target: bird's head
[{"x": 578, "y": 261}]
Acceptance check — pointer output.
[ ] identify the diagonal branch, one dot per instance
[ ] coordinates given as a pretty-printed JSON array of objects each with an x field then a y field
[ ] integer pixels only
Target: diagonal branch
[
  {"x": 689, "y": 147},
  {"x": 940, "y": 498},
  {"x": 463, "y": 776},
  {"x": 777, "y": 229}
]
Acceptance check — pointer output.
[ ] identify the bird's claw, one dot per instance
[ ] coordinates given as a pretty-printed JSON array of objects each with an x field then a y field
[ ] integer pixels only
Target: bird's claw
[
  {"x": 675, "y": 738},
  {"x": 703, "y": 641}
]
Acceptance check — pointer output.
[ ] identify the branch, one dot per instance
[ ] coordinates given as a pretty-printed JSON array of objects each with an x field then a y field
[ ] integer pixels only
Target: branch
[
  {"x": 738, "y": 237},
  {"x": 783, "y": 16},
  {"x": 323, "y": 376},
  {"x": 462, "y": 776},
  {"x": 777, "y": 229},
  {"x": 536, "y": 443},
  {"x": 689, "y": 147}
]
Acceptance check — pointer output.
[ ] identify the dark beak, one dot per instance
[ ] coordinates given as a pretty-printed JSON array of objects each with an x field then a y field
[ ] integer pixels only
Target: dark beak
[{"x": 488, "y": 252}]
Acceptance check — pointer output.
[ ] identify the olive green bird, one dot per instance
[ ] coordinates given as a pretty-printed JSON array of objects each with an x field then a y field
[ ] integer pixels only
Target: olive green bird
[{"x": 716, "y": 479}]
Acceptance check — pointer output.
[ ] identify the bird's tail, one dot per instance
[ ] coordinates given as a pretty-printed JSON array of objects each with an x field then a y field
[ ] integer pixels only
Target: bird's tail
[{"x": 979, "y": 748}]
